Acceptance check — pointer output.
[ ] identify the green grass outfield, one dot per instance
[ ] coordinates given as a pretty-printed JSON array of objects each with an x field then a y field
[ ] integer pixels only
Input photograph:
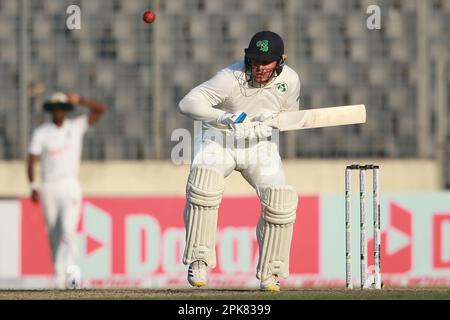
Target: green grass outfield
[{"x": 230, "y": 294}]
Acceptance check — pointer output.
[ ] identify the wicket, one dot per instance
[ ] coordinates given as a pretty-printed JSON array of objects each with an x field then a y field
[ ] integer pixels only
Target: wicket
[{"x": 363, "y": 217}]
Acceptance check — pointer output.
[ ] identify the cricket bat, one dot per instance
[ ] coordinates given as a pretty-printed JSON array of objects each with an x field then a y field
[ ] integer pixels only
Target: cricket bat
[{"x": 318, "y": 118}]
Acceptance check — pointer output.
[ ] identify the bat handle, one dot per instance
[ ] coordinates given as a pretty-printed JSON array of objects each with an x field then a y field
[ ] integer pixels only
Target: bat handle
[{"x": 272, "y": 123}]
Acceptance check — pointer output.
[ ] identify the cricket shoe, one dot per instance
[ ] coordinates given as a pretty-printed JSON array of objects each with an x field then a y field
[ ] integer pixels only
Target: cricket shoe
[
  {"x": 198, "y": 274},
  {"x": 73, "y": 277},
  {"x": 271, "y": 284}
]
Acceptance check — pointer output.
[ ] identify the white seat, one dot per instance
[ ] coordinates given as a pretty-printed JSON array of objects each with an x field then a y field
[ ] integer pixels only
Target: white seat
[
  {"x": 45, "y": 52},
  {"x": 395, "y": 24},
  {"x": 95, "y": 6},
  {"x": 332, "y": 7},
  {"x": 251, "y": 7},
  {"x": 8, "y": 53},
  {"x": 214, "y": 6},
  {"x": 67, "y": 76},
  {"x": 114, "y": 148},
  {"x": 122, "y": 28},
  {"x": 356, "y": 26},
  {"x": 124, "y": 98},
  {"x": 199, "y": 26},
  {"x": 318, "y": 97},
  {"x": 276, "y": 23},
  {"x": 183, "y": 76},
  {"x": 338, "y": 74},
  {"x": 126, "y": 51},
  {"x": 359, "y": 96},
  {"x": 318, "y": 28},
  {"x": 398, "y": 98},
  {"x": 166, "y": 51},
  {"x": 201, "y": 50},
  {"x": 378, "y": 74},
  {"x": 105, "y": 77},
  {"x": 9, "y": 8},
  {"x": 435, "y": 27},
  {"x": 237, "y": 26},
  {"x": 7, "y": 28},
  {"x": 52, "y": 7},
  {"x": 238, "y": 49},
  {"x": 87, "y": 52},
  {"x": 322, "y": 51},
  {"x": 400, "y": 51},
  {"x": 174, "y": 6},
  {"x": 134, "y": 126},
  {"x": 133, "y": 7},
  {"x": 360, "y": 50},
  {"x": 42, "y": 28}
]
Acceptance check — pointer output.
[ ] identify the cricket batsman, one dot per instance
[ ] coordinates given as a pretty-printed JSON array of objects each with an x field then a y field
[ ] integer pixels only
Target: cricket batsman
[
  {"x": 235, "y": 102},
  {"x": 58, "y": 145}
]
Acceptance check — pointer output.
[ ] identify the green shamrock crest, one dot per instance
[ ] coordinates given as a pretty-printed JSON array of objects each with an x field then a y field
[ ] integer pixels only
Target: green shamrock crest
[
  {"x": 282, "y": 87},
  {"x": 263, "y": 45}
]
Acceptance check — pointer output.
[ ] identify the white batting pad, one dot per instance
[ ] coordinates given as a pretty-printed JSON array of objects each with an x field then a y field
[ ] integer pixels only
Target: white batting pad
[
  {"x": 204, "y": 193},
  {"x": 274, "y": 231}
]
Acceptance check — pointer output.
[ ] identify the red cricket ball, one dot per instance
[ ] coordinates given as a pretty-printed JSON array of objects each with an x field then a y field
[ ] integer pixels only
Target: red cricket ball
[{"x": 149, "y": 16}]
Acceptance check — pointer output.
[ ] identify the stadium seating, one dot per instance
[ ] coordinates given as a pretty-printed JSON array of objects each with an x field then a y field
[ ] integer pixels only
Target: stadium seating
[{"x": 110, "y": 59}]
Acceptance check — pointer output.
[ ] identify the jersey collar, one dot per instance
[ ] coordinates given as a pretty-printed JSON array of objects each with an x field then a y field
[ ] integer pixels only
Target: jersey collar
[{"x": 53, "y": 125}]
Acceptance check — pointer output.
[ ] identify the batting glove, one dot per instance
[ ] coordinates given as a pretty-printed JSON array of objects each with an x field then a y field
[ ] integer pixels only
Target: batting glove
[
  {"x": 262, "y": 131},
  {"x": 232, "y": 119}
]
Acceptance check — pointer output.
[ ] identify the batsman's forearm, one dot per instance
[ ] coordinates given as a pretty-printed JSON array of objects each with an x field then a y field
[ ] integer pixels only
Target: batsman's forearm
[
  {"x": 93, "y": 105},
  {"x": 197, "y": 108}
]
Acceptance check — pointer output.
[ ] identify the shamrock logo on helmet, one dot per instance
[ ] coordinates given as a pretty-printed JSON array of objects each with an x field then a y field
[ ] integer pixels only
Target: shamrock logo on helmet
[{"x": 263, "y": 45}]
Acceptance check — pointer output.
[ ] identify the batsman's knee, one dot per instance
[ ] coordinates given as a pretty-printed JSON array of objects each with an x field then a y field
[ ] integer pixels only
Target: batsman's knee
[
  {"x": 279, "y": 205},
  {"x": 205, "y": 187}
]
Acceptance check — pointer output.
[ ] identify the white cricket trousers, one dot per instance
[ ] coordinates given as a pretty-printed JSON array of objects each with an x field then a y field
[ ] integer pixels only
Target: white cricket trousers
[
  {"x": 259, "y": 162},
  {"x": 61, "y": 201}
]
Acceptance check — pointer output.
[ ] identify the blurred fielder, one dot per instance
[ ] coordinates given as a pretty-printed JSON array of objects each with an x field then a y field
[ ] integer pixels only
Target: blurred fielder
[
  {"x": 58, "y": 145},
  {"x": 235, "y": 102}
]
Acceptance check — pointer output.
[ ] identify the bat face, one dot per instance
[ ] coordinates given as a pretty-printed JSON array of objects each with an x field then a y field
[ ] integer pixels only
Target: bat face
[{"x": 319, "y": 118}]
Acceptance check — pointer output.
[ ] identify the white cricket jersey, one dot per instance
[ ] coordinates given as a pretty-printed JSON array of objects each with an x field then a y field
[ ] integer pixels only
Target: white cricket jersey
[
  {"x": 229, "y": 91},
  {"x": 59, "y": 148}
]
